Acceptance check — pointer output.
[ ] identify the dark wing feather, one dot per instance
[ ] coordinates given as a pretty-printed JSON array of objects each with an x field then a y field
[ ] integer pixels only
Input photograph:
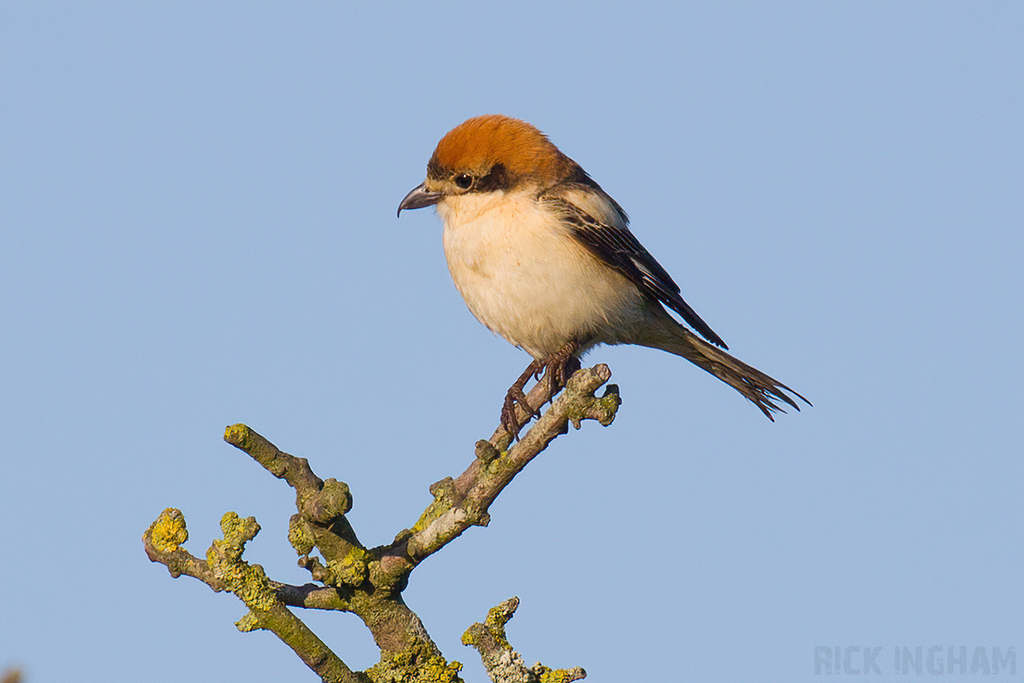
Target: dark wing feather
[{"x": 616, "y": 246}]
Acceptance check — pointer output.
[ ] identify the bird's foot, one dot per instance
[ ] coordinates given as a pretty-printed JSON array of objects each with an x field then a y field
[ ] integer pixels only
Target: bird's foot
[
  {"x": 517, "y": 398},
  {"x": 560, "y": 367},
  {"x": 556, "y": 371}
]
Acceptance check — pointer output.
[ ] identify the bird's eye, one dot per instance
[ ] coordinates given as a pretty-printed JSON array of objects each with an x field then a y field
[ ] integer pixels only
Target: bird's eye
[{"x": 464, "y": 180}]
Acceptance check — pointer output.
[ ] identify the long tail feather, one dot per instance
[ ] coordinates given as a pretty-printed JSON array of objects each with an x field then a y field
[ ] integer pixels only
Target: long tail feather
[{"x": 763, "y": 391}]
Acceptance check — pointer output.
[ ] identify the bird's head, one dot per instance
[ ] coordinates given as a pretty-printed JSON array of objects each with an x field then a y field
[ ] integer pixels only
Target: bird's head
[{"x": 487, "y": 154}]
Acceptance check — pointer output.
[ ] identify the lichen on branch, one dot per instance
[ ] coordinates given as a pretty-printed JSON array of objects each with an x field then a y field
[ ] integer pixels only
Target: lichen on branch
[
  {"x": 504, "y": 664},
  {"x": 368, "y": 582}
]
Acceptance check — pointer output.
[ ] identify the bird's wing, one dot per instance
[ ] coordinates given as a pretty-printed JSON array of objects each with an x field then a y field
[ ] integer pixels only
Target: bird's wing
[{"x": 607, "y": 237}]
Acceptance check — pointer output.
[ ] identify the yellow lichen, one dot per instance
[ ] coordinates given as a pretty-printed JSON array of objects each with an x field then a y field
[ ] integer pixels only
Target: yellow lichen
[
  {"x": 299, "y": 536},
  {"x": 548, "y": 675},
  {"x": 444, "y": 499},
  {"x": 237, "y": 434},
  {"x": 248, "y": 582},
  {"x": 350, "y": 570},
  {"x": 416, "y": 665},
  {"x": 248, "y": 623},
  {"x": 168, "y": 532}
]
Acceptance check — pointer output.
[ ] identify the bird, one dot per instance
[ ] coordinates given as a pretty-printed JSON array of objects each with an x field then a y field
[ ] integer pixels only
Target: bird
[{"x": 544, "y": 257}]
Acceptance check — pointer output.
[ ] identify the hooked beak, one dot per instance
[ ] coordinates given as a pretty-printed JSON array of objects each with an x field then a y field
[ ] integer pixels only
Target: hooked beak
[{"x": 419, "y": 198}]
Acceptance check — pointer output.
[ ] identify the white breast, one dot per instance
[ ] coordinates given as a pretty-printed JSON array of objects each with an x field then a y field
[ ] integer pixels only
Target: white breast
[{"x": 524, "y": 277}]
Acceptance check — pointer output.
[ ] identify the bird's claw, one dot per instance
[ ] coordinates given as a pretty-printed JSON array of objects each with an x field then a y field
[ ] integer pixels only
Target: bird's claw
[
  {"x": 516, "y": 397},
  {"x": 556, "y": 370},
  {"x": 509, "y": 416}
]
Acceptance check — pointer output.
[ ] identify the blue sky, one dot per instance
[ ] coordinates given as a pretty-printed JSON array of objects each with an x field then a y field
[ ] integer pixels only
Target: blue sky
[{"x": 198, "y": 203}]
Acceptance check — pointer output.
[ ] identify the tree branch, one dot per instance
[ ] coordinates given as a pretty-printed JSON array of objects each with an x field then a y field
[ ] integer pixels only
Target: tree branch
[
  {"x": 369, "y": 582},
  {"x": 463, "y": 502},
  {"x": 503, "y": 664},
  {"x": 224, "y": 569}
]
